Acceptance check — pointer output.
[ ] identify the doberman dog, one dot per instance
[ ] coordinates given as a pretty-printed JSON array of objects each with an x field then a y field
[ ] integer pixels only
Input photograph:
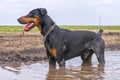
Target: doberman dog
[{"x": 62, "y": 44}]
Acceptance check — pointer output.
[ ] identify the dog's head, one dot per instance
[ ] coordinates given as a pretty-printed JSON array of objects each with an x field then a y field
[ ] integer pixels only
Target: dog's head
[{"x": 33, "y": 18}]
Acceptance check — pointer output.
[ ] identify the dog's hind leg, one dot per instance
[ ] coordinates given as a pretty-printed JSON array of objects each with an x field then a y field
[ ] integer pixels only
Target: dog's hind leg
[
  {"x": 99, "y": 49},
  {"x": 87, "y": 56}
]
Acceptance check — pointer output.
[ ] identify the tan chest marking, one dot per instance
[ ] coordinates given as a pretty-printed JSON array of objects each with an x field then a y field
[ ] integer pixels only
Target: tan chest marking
[{"x": 53, "y": 52}]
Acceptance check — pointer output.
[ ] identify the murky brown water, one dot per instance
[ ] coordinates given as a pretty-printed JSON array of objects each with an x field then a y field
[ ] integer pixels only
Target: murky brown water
[{"x": 74, "y": 70}]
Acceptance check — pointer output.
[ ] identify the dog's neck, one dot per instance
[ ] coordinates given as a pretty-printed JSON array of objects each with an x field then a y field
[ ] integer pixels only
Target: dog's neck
[{"x": 46, "y": 23}]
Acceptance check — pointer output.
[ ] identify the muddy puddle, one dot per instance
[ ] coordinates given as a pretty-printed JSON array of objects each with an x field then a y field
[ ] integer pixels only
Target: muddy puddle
[{"x": 74, "y": 70}]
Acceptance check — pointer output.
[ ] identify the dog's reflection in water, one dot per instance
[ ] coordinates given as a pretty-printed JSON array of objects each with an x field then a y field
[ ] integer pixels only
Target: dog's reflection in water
[{"x": 85, "y": 72}]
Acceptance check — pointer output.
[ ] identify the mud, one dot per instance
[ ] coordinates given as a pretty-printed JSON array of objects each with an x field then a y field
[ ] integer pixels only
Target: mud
[
  {"x": 29, "y": 48},
  {"x": 14, "y": 47},
  {"x": 112, "y": 41}
]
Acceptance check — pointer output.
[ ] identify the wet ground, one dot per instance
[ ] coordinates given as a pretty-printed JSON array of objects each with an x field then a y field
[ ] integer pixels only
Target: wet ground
[{"x": 74, "y": 70}]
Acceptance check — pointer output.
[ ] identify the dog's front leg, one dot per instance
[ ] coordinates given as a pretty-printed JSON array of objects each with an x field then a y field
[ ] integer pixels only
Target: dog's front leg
[
  {"x": 52, "y": 61},
  {"x": 61, "y": 60},
  {"x": 61, "y": 63}
]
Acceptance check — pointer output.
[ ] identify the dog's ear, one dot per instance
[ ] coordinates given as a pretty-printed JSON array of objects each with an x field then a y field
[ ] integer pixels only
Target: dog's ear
[{"x": 43, "y": 11}]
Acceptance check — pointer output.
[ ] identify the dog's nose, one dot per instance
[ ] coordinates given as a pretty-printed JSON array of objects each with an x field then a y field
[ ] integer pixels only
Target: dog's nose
[{"x": 19, "y": 19}]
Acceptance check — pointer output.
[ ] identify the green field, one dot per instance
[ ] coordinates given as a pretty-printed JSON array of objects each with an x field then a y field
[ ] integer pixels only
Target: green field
[{"x": 19, "y": 28}]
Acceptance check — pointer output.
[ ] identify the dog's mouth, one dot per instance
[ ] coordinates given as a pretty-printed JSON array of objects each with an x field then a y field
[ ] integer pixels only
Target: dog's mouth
[
  {"x": 29, "y": 23},
  {"x": 28, "y": 26}
]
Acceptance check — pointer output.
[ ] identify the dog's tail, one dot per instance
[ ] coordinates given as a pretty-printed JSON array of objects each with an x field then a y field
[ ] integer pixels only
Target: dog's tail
[{"x": 100, "y": 32}]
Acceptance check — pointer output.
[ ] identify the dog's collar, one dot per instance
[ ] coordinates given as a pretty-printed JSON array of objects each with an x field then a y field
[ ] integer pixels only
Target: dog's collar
[{"x": 49, "y": 31}]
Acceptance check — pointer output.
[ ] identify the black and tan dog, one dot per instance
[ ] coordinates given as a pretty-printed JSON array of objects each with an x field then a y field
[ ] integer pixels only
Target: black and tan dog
[{"x": 62, "y": 44}]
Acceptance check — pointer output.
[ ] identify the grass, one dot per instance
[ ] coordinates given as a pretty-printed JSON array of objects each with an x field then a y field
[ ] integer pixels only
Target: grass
[
  {"x": 13, "y": 29},
  {"x": 10, "y": 28},
  {"x": 19, "y": 28},
  {"x": 92, "y": 27}
]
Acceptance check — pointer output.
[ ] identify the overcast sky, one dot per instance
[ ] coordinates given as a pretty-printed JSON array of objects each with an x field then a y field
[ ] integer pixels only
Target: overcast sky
[{"x": 64, "y": 12}]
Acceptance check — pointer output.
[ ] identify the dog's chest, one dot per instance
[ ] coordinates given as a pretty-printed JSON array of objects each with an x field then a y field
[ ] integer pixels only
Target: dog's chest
[{"x": 51, "y": 49}]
